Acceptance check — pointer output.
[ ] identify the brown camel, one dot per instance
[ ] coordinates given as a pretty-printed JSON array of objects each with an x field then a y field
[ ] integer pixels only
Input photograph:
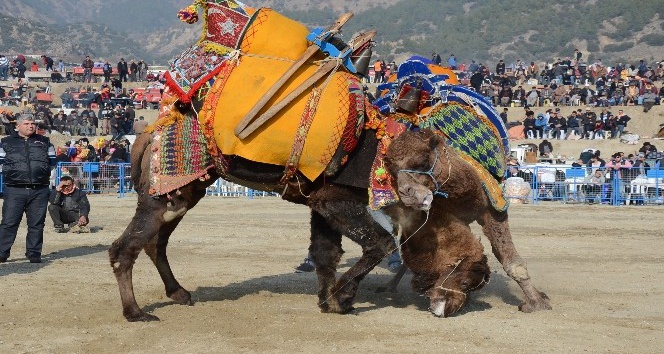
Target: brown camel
[
  {"x": 336, "y": 210},
  {"x": 444, "y": 195}
]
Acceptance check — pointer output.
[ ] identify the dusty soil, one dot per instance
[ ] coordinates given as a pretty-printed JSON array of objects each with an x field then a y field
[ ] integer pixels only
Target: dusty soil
[{"x": 601, "y": 267}]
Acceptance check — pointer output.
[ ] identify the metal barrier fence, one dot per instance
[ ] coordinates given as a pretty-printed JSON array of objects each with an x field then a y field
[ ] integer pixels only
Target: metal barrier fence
[
  {"x": 591, "y": 185},
  {"x": 627, "y": 186}
]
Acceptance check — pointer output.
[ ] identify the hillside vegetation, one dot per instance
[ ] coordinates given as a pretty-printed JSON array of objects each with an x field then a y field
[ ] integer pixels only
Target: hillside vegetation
[{"x": 613, "y": 30}]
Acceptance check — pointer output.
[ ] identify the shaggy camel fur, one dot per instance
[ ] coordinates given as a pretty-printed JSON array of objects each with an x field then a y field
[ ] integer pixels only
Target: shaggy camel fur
[{"x": 437, "y": 244}]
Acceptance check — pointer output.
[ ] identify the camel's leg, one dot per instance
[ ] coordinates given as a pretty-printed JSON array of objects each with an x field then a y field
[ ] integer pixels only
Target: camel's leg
[
  {"x": 326, "y": 251},
  {"x": 156, "y": 248},
  {"x": 351, "y": 218},
  {"x": 496, "y": 229},
  {"x": 143, "y": 227},
  {"x": 391, "y": 286}
]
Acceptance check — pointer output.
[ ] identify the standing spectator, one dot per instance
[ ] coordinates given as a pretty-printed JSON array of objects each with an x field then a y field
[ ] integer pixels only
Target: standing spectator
[
  {"x": 108, "y": 70},
  {"x": 4, "y": 67},
  {"x": 139, "y": 125},
  {"x": 123, "y": 70},
  {"x": 69, "y": 205},
  {"x": 436, "y": 59},
  {"x": 503, "y": 115},
  {"x": 452, "y": 62},
  {"x": 20, "y": 69},
  {"x": 133, "y": 71},
  {"x": 61, "y": 67},
  {"x": 48, "y": 62},
  {"x": 378, "y": 71},
  {"x": 27, "y": 158},
  {"x": 128, "y": 120},
  {"x": 621, "y": 121},
  {"x": 500, "y": 68},
  {"x": 87, "y": 65},
  {"x": 142, "y": 70}
]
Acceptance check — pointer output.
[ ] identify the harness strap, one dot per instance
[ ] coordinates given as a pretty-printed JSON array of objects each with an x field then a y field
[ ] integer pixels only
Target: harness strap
[
  {"x": 429, "y": 173},
  {"x": 301, "y": 134}
]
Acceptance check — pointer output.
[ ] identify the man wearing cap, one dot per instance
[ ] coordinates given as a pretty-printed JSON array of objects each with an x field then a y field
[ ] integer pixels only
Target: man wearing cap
[{"x": 27, "y": 158}]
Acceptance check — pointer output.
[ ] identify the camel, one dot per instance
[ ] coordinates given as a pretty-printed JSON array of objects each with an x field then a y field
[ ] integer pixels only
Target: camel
[
  {"x": 336, "y": 210},
  {"x": 443, "y": 194}
]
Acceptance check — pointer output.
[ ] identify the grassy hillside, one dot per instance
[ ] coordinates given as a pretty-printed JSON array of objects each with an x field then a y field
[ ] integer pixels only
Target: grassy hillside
[{"x": 483, "y": 30}]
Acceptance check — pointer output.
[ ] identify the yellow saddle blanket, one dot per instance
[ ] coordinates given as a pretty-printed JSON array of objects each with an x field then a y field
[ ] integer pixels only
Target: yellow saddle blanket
[{"x": 334, "y": 107}]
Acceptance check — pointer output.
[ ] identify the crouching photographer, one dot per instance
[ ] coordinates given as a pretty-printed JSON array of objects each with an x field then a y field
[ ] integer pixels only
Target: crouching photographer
[{"x": 69, "y": 205}]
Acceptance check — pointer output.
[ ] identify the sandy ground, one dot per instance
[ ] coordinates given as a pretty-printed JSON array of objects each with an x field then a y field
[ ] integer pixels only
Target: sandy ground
[{"x": 601, "y": 266}]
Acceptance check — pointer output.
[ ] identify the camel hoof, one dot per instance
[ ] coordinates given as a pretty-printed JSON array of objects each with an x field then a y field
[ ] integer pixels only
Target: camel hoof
[
  {"x": 182, "y": 297},
  {"x": 142, "y": 317},
  {"x": 536, "y": 305}
]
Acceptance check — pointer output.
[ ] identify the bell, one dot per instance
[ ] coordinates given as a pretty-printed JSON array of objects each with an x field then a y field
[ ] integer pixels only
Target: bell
[
  {"x": 361, "y": 59},
  {"x": 409, "y": 99}
]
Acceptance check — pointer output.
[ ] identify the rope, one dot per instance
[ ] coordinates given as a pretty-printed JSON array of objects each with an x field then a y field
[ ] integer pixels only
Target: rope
[{"x": 430, "y": 173}]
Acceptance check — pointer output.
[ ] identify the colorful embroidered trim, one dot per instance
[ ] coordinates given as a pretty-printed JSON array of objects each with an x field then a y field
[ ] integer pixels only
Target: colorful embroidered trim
[
  {"x": 381, "y": 189},
  {"x": 207, "y": 115},
  {"x": 491, "y": 186},
  {"x": 301, "y": 134}
]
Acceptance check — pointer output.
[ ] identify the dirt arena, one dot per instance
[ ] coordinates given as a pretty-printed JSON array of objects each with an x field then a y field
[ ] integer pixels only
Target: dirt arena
[{"x": 601, "y": 266}]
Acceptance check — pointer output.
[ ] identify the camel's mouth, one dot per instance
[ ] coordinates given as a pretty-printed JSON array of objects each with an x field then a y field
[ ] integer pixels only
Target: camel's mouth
[{"x": 420, "y": 200}]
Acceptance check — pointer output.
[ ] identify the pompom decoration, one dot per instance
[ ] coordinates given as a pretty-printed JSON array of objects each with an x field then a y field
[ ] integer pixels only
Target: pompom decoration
[{"x": 188, "y": 15}]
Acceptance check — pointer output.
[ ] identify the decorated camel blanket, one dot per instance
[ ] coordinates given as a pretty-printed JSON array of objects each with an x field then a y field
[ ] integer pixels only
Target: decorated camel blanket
[
  {"x": 470, "y": 124},
  {"x": 240, "y": 55}
]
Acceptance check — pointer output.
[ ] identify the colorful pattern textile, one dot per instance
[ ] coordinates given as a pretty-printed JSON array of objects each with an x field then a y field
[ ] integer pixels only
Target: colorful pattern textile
[
  {"x": 468, "y": 132},
  {"x": 193, "y": 69},
  {"x": 179, "y": 155},
  {"x": 225, "y": 24},
  {"x": 381, "y": 190}
]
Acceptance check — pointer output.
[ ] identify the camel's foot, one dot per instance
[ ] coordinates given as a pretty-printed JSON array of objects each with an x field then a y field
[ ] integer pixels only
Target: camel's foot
[
  {"x": 140, "y": 316},
  {"x": 537, "y": 304},
  {"x": 335, "y": 305},
  {"x": 182, "y": 297}
]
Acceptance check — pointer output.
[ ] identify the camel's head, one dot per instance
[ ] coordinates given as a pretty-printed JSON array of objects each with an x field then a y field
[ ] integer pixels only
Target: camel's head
[
  {"x": 449, "y": 291},
  {"x": 415, "y": 160}
]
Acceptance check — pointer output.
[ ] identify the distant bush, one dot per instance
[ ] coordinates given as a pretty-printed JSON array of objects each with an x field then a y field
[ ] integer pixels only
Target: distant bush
[
  {"x": 652, "y": 39},
  {"x": 618, "y": 47}
]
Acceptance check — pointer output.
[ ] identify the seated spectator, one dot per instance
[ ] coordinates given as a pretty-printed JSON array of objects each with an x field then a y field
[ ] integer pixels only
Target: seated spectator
[
  {"x": 545, "y": 148},
  {"x": 573, "y": 125},
  {"x": 593, "y": 186},
  {"x": 648, "y": 95},
  {"x": 542, "y": 125},
  {"x": 529, "y": 125},
  {"x": 69, "y": 205}
]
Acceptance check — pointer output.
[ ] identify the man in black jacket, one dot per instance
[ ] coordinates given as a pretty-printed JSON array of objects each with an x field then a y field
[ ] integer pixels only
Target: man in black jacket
[
  {"x": 123, "y": 70},
  {"x": 69, "y": 205},
  {"x": 26, "y": 159}
]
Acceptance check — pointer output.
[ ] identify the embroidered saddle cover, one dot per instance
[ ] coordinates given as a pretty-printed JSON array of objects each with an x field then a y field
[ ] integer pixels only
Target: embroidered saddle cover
[
  {"x": 241, "y": 54},
  {"x": 333, "y": 110}
]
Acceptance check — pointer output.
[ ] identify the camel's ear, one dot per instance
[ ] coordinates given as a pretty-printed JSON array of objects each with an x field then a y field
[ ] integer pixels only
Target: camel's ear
[{"x": 434, "y": 141}]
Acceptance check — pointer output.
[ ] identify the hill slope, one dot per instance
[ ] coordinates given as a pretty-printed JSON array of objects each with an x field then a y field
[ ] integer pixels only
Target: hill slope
[{"x": 484, "y": 30}]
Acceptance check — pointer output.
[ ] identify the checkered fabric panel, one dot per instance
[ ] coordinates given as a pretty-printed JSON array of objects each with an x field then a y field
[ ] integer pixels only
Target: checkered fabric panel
[{"x": 469, "y": 134}]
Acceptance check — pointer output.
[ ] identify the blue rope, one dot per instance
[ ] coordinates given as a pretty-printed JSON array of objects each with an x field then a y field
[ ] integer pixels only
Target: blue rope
[{"x": 429, "y": 173}]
